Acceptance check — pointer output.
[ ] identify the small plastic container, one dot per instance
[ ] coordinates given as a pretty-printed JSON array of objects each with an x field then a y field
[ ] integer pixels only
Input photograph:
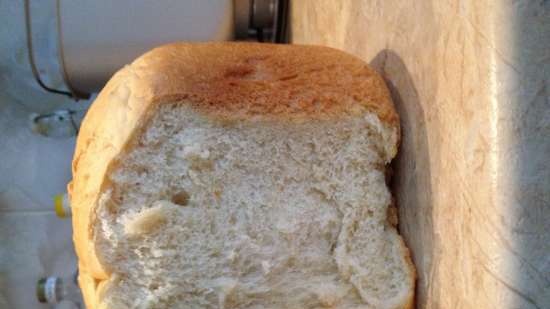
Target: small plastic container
[
  {"x": 62, "y": 206},
  {"x": 58, "y": 291}
]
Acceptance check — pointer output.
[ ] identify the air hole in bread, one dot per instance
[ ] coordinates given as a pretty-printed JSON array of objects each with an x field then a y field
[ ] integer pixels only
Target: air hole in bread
[{"x": 181, "y": 198}]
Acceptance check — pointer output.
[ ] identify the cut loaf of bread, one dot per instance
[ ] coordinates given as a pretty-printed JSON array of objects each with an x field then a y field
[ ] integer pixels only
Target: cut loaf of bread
[{"x": 239, "y": 175}]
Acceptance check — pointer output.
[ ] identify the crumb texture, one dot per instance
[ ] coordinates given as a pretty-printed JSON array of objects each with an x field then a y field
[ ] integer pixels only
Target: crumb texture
[{"x": 202, "y": 213}]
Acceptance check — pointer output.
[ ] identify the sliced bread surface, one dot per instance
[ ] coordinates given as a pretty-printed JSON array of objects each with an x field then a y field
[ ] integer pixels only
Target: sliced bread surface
[{"x": 239, "y": 175}]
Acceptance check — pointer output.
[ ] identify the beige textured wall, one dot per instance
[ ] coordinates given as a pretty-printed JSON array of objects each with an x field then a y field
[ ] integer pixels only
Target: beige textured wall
[{"x": 471, "y": 82}]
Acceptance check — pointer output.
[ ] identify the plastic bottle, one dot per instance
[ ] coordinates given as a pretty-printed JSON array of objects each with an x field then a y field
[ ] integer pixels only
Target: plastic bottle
[
  {"x": 59, "y": 291},
  {"x": 62, "y": 205}
]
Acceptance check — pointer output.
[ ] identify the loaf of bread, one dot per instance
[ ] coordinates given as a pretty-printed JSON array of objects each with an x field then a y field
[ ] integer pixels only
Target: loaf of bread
[{"x": 239, "y": 175}]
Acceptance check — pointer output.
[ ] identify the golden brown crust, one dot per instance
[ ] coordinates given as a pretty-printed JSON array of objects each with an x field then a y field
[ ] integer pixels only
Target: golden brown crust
[
  {"x": 223, "y": 80},
  {"x": 88, "y": 286},
  {"x": 244, "y": 80}
]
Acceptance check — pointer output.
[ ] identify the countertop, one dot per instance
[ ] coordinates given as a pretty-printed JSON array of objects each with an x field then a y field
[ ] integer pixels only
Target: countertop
[{"x": 471, "y": 81}]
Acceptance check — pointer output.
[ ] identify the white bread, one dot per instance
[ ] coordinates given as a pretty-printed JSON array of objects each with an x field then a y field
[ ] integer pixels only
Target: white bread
[{"x": 239, "y": 175}]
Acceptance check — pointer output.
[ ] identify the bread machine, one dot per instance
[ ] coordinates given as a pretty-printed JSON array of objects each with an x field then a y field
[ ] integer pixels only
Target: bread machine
[{"x": 96, "y": 38}]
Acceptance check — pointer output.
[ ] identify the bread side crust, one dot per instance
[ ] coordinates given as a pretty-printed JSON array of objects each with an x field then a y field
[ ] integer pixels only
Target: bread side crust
[
  {"x": 225, "y": 81},
  {"x": 410, "y": 304}
]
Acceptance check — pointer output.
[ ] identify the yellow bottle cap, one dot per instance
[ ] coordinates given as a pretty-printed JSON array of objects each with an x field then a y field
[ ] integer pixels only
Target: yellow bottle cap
[{"x": 62, "y": 206}]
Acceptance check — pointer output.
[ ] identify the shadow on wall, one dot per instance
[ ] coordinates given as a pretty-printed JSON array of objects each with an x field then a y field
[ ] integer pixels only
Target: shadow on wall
[{"x": 411, "y": 183}]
